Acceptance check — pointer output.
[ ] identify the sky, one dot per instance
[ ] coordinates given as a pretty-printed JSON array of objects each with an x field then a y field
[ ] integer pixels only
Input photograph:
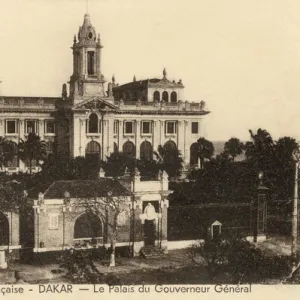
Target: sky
[{"x": 241, "y": 57}]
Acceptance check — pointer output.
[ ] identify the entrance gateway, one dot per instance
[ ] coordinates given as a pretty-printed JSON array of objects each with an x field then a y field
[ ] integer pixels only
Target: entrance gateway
[{"x": 150, "y": 217}]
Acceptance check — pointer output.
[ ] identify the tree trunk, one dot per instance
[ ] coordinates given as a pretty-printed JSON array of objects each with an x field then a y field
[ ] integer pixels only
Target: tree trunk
[{"x": 112, "y": 262}]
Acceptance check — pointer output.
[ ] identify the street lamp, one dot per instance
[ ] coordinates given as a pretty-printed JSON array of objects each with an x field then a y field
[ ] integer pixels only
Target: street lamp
[{"x": 296, "y": 158}]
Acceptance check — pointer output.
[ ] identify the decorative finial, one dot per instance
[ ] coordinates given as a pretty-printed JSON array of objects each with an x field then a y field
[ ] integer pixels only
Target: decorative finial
[
  {"x": 165, "y": 73},
  {"x": 113, "y": 78},
  {"x": 64, "y": 91},
  {"x": 98, "y": 40},
  {"x": 74, "y": 40},
  {"x": 134, "y": 78}
]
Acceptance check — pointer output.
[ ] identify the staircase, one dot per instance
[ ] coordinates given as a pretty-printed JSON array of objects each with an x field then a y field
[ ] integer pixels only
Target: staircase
[{"x": 151, "y": 252}]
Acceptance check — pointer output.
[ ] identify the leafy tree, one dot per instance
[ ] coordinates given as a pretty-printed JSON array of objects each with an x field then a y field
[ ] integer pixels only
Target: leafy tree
[
  {"x": 116, "y": 164},
  {"x": 205, "y": 150},
  {"x": 12, "y": 195},
  {"x": 234, "y": 147},
  {"x": 7, "y": 151},
  {"x": 32, "y": 149},
  {"x": 109, "y": 208},
  {"x": 169, "y": 160},
  {"x": 241, "y": 259}
]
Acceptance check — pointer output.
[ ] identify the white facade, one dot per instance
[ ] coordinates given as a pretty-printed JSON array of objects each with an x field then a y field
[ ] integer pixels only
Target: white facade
[{"x": 135, "y": 118}]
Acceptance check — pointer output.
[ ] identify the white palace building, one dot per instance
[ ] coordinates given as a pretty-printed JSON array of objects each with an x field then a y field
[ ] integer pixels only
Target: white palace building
[{"x": 98, "y": 118}]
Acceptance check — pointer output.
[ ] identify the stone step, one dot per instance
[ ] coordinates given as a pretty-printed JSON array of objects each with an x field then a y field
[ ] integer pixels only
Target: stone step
[{"x": 151, "y": 252}]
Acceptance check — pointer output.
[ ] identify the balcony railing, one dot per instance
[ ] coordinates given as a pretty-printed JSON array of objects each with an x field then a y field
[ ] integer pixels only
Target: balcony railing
[
  {"x": 161, "y": 106},
  {"x": 27, "y": 102}
]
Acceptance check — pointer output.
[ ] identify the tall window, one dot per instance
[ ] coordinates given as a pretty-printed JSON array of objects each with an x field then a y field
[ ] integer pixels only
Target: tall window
[
  {"x": 156, "y": 96},
  {"x": 146, "y": 127},
  {"x": 128, "y": 128},
  {"x": 49, "y": 127},
  {"x": 93, "y": 124},
  {"x": 195, "y": 127},
  {"x": 91, "y": 61},
  {"x": 11, "y": 127},
  {"x": 170, "y": 127},
  {"x": 31, "y": 126},
  {"x": 173, "y": 97},
  {"x": 165, "y": 96}
]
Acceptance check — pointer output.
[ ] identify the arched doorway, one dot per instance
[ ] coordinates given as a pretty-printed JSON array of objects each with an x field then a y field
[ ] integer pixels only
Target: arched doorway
[
  {"x": 93, "y": 151},
  {"x": 88, "y": 226},
  {"x": 4, "y": 230},
  {"x": 146, "y": 151},
  {"x": 165, "y": 96},
  {"x": 129, "y": 149},
  {"x": 194, "y": 154}
]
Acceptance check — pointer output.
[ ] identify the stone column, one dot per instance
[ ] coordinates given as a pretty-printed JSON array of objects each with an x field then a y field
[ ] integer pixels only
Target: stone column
[
  {"x": 82, "y": 61},
  {"x": 164, "y": 204},
  {"x": 137, "y": 138},
  {"x": 120, "y": 135},
  {"x": 161, "y": 132},
  {"x": 110, "y": 136},
  {"x": 155, "y": 135},
  {"x": 104, "y": 144},
  {"x": 181, "y": 138},
  {"x": 138, "y": 229}
]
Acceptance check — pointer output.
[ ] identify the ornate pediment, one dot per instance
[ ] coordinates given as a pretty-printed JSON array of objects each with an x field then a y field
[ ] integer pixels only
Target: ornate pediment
[{"x": 96, "y": 103}]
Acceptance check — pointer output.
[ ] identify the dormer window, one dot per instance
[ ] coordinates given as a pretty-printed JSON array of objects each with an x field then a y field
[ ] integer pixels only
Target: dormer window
[{"x": 91, "y": 62}]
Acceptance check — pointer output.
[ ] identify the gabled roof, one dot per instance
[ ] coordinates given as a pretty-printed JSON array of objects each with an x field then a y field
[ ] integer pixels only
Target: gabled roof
[
  {"x": 84, "y": 189},
  {"x": 95, "y": 102}
]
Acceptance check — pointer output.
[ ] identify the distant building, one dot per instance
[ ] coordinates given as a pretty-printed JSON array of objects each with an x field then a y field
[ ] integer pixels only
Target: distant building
[{"x": 96, "y": 120}]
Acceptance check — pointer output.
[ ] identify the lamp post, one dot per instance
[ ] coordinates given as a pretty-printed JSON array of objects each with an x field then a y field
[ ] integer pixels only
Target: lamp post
[{"x": 296, "y": 158}]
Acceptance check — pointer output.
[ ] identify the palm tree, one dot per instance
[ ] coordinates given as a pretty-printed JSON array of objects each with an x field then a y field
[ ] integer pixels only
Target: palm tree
[
  {"x": 32, "y": 149},
  {"x": 7, "y": 151},
  {"x": 169, "y": 160},
  {"x": 205, "y": 150},
  {"x": 234, "y": 147}
]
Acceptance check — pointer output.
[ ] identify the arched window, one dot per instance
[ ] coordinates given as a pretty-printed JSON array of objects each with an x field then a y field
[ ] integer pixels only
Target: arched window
[
  {"x": 129, "y": 149},
  {"x": 170, "y": 151},
  {"x": 194, "y": 154},
  {"x": 173, "y": 97},
  {"x": 146, "y": 151},
  {"x": 4, "y": 230},
  {"x": 93, "y": 124},
  {"x": 156, "y": 96},
  {"x": 165, "y": 96},
  {"x": 14, "y": 163},
  {"x": 92, "y": 151},
  {"x": 87, "y": 226},
  {"x": 170, "y": 146}
]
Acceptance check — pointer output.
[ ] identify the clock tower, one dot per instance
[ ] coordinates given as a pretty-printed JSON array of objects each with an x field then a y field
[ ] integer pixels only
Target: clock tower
[{"x": 87, "y": 79}]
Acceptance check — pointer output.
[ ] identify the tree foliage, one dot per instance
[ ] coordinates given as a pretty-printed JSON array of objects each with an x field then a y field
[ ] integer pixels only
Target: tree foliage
[
  {"x": 233, "y": 147},
  {"x": 241, "y": 259},
  {"x": 205, "y": 150},
  {"x": 7, "y": 151},
  {"x": 32, "y": 148}
]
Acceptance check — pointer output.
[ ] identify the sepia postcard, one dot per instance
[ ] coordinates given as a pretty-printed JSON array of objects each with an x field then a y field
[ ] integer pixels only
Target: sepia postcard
[{"x": 149, "y": 148}]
